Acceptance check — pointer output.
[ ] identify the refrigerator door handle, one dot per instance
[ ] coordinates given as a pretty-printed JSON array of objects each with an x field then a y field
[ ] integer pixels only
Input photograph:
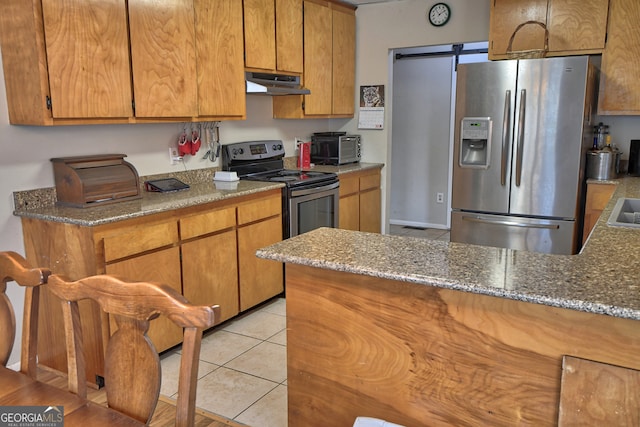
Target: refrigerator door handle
[
  {"x": 506, "y": 125},
  {"x": 508, "y": 223},
  {"x": 523, "y": 99}
]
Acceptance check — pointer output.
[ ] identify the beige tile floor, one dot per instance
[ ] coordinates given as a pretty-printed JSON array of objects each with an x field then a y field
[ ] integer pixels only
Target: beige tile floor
[{"x": 242, "y": 374}]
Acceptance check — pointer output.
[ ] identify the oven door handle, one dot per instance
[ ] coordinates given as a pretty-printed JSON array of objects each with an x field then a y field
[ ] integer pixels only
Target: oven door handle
[{"x": 312, "y": 190}]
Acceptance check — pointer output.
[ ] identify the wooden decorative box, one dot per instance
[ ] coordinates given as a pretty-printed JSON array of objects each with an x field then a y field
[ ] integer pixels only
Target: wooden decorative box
[{"x": 85, "y": 181}]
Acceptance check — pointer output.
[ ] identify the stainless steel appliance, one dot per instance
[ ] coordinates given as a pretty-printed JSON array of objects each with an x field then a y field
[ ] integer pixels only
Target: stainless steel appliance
[
  {"x": 335, "y": 148},
  {"x": 634, "y": 158},
  {"x": 310, "y": 198},
  {"x": 521, "y": 136}
]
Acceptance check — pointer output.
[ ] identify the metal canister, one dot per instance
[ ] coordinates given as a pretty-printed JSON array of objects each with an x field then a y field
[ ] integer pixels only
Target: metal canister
[{"x": 603, "y": 164}]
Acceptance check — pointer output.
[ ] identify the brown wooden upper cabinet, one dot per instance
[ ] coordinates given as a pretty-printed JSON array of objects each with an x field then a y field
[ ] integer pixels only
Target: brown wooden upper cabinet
[
  {"x": 273, "y": 35},
  {"x": 329, "y": 64},
  {"x": 110, "y": 61},
  {"x": 576, "y": 27},
  {"x": 620, "y": 69}
]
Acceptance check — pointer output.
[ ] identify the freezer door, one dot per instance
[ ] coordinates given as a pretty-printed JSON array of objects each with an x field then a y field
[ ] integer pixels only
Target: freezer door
[
  {"x": 485, "y": 90},
  {"x": 548, "y": 137},
  {"x": 535, "y": 235}
]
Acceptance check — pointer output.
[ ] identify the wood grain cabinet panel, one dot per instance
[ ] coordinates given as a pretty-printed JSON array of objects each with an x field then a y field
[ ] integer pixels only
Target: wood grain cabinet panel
[
  {"x": 259, "y": 209},
  {"x": 138, "y": 239},
  {"x": 577, "y": 25},
  {"x": 598, "y": 196},
  {"x": 260, "y": 279},
  {"x": 344, "y": 70},
  {"x": 620, "y": 70},
  {"x": 210, "y": 272},
  {"x": 163, "y": 58},
  {"x": 220, "y": 59},
  {"x": 360, "y": 201},
  {"x": 289, "y": 38},
  {"x": 87, "y": 49},
  {"x": 259, "y": 34},
  {"x": 208, "y": 222},
  {"x": 598, "y": 394},
  {"x": 318, "y": 58}
]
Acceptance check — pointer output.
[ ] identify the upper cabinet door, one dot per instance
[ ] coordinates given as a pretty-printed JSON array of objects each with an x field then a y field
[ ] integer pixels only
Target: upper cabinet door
[
  {"x": 289, "y": 36},
  {"x": 318, "y": 58},
  {"x": 344, "y": 58},
  {"x": 273, "y": 35},
  {"x": 505, "y": 17},
  {"x": 259, "y": 34},
  {"x": 221, "y": 84},
  {"x": 620, "y": 71},
  {"x": 88, "y": 58},
  {"x": 163, "y": 58},
  {"x": 576, "y": 25}
]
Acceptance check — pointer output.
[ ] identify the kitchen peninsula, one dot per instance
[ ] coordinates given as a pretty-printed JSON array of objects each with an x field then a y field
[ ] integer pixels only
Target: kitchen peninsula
[{"x": 422, "y": 332}]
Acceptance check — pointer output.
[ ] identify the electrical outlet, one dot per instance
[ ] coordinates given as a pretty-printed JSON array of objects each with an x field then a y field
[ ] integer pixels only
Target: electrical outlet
[
  {"x": 439, "y": 197},
  {"x": 174, "y": 157}
]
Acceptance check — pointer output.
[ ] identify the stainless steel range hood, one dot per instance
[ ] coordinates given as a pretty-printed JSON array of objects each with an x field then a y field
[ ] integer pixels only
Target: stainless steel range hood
[{"x": 274, "y": 84}]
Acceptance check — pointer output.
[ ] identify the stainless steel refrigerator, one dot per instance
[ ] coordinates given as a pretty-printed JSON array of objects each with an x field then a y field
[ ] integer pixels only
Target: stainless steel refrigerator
[{"x": 521, "y": 134}]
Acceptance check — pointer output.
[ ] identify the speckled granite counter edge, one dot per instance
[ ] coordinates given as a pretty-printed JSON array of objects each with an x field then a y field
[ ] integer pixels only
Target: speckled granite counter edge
[
  {"x": 579, "y": 282},
  {"x": 579, "y": 305}
]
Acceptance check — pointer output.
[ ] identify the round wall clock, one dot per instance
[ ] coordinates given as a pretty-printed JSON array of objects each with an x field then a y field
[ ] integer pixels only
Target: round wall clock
[{"x": 439, "y": 14}]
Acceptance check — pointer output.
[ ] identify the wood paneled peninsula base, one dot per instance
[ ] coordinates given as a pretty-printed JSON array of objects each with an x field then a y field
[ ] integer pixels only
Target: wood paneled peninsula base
[{"x": 421, "y": 332}]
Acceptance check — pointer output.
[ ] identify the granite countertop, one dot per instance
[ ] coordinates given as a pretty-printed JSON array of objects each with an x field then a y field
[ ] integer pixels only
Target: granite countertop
[
  {"x": 604, "y": 278},
  {"x": 40, "y": 203}
]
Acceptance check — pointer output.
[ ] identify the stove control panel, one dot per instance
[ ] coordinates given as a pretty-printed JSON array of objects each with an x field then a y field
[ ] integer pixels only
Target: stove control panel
[{"x": 254, "y": 150}]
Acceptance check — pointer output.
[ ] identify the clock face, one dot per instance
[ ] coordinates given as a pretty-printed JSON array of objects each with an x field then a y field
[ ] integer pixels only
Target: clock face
[{"x": 439, "y": 14}]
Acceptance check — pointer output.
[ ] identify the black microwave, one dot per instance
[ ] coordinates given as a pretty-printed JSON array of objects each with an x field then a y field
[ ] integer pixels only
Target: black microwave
[{"x": 335, "y": 148}]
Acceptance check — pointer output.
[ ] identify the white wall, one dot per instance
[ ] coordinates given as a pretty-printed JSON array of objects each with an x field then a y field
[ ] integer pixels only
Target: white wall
[{"x": 381, "y": 27}]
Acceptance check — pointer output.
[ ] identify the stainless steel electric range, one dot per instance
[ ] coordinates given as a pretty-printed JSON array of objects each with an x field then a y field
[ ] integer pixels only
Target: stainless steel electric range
[{"x": 310, "y": 198}]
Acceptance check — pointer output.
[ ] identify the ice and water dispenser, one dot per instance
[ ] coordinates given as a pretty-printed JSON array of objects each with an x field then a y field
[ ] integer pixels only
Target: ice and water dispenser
[{"x": 475, "y": 142}]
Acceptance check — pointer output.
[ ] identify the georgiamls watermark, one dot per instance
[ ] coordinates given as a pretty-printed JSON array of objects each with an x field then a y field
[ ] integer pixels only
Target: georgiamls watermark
[{"x": 31, "y": 416}]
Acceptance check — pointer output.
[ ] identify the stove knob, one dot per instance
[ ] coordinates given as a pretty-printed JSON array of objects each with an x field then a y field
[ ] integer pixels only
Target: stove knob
[
  {"x": 279, "y": 146},
  {"x": 275, "y": 147},
  {"x": 241, "y": 150}
]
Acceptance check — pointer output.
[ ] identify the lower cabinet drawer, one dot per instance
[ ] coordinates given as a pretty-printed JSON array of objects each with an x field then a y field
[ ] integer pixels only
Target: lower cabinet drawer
[
  {"x": 208, "y": 222},
  {"x": 259, "y": 209},
  {"x": 139, "y": 239}
]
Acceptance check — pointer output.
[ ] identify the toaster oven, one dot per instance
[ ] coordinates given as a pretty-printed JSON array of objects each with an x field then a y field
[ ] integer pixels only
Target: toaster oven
[{"x": 335, "y": 148}]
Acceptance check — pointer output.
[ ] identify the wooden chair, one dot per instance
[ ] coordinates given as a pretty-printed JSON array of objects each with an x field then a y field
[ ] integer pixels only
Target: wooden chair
[
  {"x": 13, "y": 267},
  {"x": 132, "y": 365}
]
